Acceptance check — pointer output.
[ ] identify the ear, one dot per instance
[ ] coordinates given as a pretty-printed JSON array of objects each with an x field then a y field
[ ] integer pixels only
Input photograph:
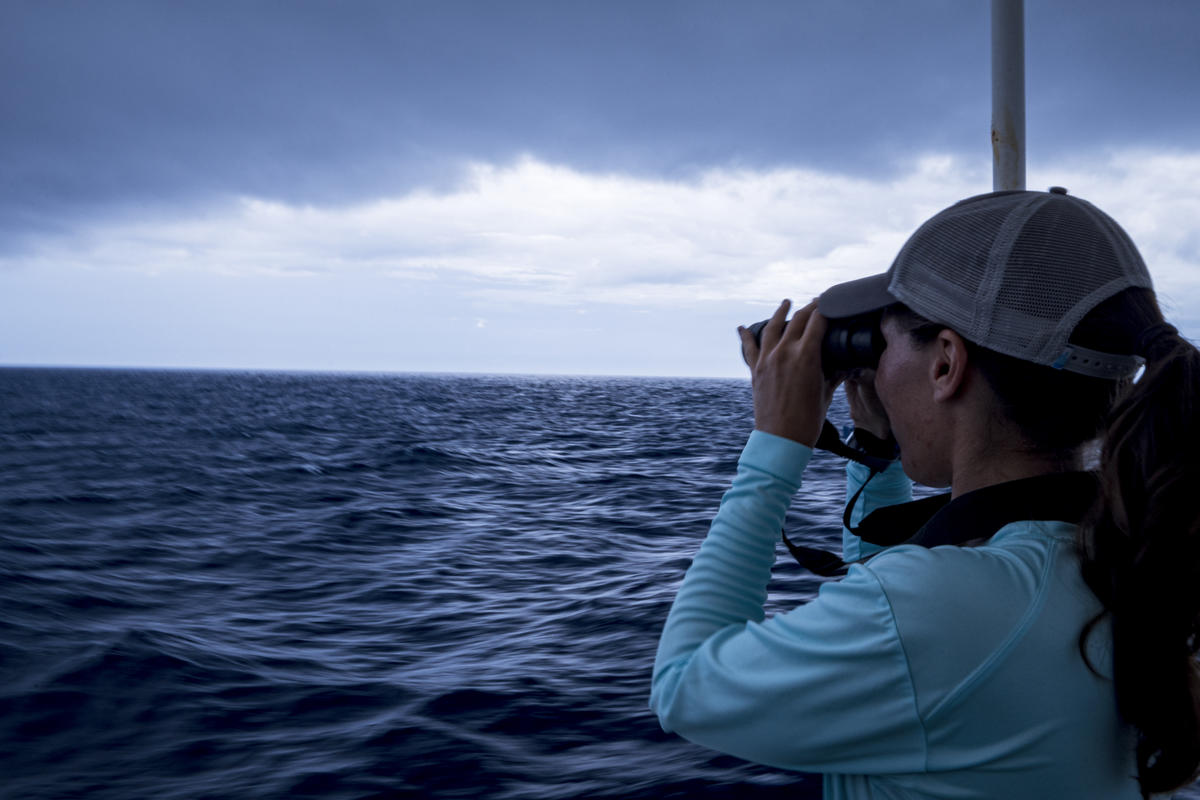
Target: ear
[{"x": 948, "y": 369}]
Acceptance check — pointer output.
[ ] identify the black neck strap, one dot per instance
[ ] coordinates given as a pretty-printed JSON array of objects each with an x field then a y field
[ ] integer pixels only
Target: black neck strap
[
  {"x": 938, "y": 520},
  {"x": 977, "y": 515}
]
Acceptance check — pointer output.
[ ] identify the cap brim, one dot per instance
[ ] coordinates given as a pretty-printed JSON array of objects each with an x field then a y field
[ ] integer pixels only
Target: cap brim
[{"x": 855, "y": 297}]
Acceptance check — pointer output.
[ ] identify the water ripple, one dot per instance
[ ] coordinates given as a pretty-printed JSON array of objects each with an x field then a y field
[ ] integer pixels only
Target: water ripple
[{"x": 350, "y": 586}]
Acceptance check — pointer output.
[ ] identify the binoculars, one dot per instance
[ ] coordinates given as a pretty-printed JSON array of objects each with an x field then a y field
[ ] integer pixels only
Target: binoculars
[{"x": 850, "y": 343}]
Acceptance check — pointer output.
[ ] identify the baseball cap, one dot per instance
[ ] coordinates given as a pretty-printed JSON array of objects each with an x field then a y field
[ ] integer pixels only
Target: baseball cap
[{"x": 1012, "y": 271}]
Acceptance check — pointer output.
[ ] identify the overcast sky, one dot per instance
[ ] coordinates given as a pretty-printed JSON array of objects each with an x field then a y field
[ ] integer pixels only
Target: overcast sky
[{"x": 555, "y": 187}]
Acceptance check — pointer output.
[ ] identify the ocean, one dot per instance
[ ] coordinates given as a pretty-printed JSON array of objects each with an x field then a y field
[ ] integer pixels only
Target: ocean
[{"x": 281, "y": 585}]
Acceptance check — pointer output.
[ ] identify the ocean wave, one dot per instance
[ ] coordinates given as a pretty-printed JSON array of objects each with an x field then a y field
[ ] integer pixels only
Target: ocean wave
[{"x": 282, "y": 585}]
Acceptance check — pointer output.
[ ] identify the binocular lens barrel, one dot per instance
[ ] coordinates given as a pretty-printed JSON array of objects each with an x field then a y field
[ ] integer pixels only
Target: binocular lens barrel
[{"x": 849, "y": 344}]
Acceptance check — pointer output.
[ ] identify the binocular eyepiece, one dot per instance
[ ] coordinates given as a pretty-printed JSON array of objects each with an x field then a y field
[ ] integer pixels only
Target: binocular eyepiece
[{"x": 850, "y": 343}]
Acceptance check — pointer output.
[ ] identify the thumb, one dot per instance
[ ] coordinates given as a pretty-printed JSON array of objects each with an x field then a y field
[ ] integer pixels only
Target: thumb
[{"x": 750, "y": 348}]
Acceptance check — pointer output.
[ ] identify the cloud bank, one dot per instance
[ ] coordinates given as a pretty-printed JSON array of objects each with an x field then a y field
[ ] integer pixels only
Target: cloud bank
[{"x": 532, "y": 233}]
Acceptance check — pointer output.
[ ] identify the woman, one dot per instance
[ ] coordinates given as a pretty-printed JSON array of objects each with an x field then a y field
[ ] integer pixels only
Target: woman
[{"x": 1048, "y": 650}]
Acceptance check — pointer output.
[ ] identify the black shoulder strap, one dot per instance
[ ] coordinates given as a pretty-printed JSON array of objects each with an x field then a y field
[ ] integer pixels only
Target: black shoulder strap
[
  {"x": 938, "y": 520},
  {"x": 1058, "y": 497}
]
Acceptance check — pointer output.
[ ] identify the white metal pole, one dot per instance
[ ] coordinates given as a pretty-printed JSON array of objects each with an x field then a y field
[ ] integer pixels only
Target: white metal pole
[{"x": 1008, "y": 94}]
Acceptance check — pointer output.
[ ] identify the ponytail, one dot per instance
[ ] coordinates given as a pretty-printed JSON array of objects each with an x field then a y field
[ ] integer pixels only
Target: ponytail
[{"x": 1141, "y": 551}]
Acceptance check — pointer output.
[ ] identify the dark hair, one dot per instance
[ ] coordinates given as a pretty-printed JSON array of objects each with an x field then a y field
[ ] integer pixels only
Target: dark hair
[{"x": 1140, "y": 547}]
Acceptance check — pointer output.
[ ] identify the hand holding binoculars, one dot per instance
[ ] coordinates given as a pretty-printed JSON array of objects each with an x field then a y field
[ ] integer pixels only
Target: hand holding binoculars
[{"x": 850, "y": 343}]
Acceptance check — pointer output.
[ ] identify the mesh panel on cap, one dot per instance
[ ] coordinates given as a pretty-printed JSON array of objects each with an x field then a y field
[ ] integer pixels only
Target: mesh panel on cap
[
  {"x": 1063, "y": 264},
  {"x": 942, "y": 273},
  {"x": 1060, "y": 258},
  {"x": 1016, "y": 271}
]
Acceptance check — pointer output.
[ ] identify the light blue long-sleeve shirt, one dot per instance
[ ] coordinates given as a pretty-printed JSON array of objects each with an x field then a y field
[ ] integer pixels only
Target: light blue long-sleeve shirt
[{"x": 950, "y": 672}]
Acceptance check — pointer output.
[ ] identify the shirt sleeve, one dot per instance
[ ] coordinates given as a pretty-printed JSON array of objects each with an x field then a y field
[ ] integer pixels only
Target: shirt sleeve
[
  {"x": 888, "y": 488},
  {"x": 824, "y": 687}
]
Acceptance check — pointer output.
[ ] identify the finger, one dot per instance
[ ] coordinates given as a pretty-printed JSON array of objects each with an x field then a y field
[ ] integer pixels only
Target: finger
[
  {"x": 865, "y": 384},
  {"x": 814, "y": 331},
  {"x": 856, "y": 381},
  {"x": 749, "y": 346},
  {"x": 774, "y": 327},
  {"x": 795, "y": 328},
  {"x": 853, "y": 395}
]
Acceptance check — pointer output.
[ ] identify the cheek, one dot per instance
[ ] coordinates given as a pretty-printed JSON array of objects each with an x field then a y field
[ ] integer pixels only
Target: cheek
[
  {"x": 898, "y": 391},
  {"x": 885, "y": 382}
]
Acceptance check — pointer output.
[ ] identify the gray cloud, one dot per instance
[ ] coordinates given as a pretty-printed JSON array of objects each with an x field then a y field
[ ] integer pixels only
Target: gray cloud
[{"x": 142, "y": 107}]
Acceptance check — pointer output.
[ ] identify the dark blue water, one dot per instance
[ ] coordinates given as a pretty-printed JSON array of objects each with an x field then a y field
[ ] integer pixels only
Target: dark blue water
[
  {"x": 220, "y": 585},
  {"x": 281, "y": 585}
]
